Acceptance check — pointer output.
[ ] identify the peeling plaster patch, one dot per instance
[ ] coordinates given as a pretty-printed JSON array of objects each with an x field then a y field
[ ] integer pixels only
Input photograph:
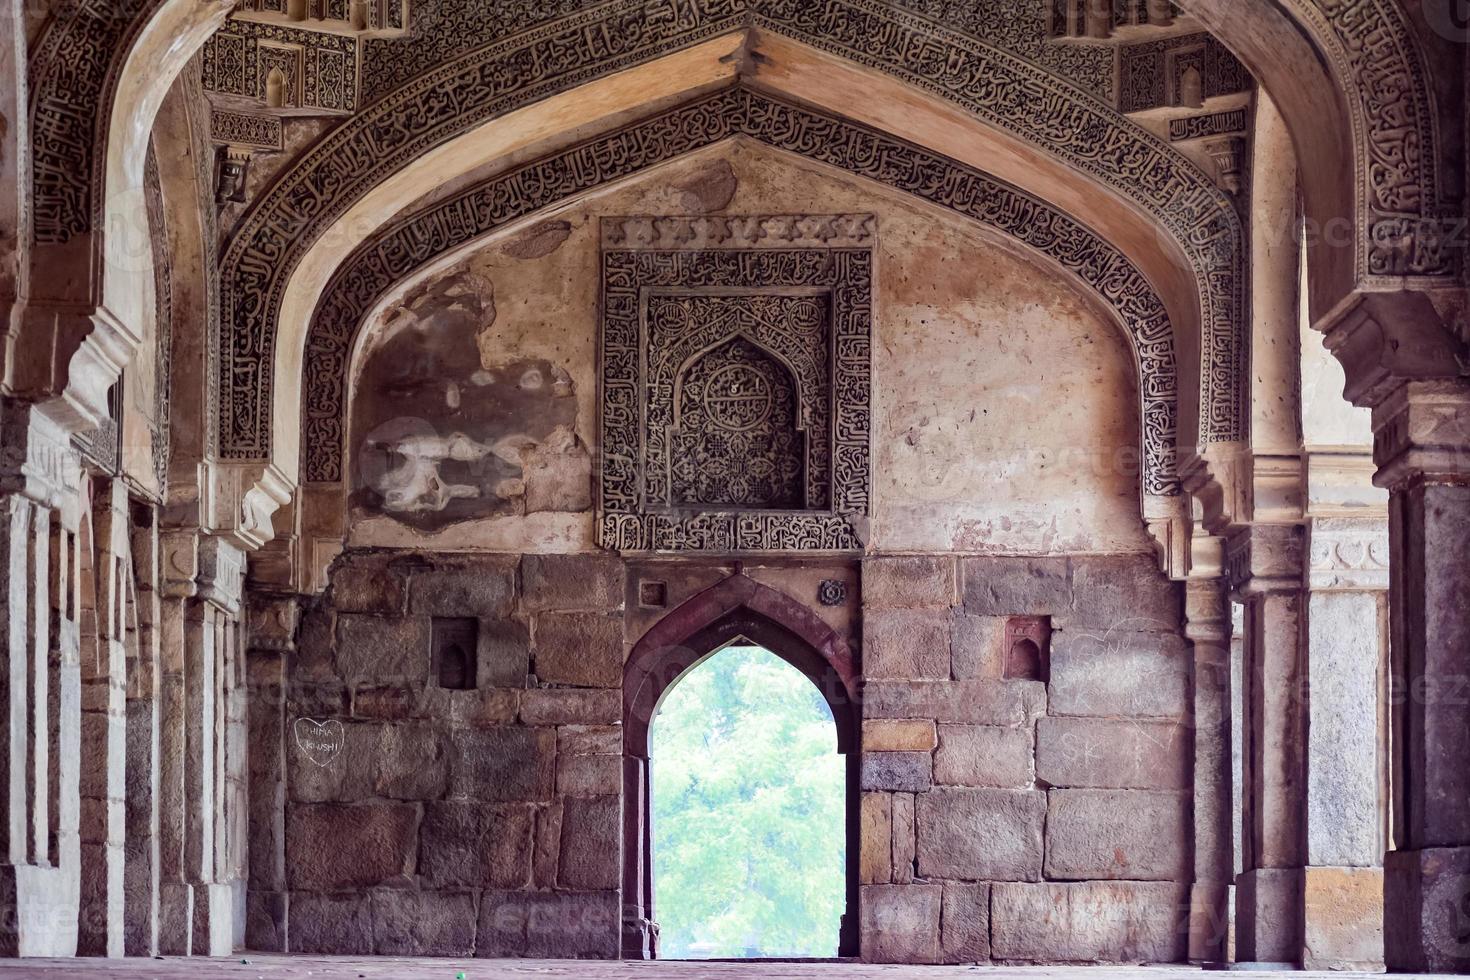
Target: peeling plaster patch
[
  {"x": 538, "y": 241},
  {"x": 711, "y": 188},
  {"x": 442, "y": 438}
]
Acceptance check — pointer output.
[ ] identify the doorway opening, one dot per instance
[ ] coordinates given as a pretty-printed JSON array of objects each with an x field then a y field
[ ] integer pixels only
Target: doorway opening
[
  {"x": 748, "y": 792},
  {"x": 731, "y": 848}
]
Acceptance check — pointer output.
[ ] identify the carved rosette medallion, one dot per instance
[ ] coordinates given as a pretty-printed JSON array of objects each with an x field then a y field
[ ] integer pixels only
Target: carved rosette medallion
[{"x": 736, "y": 382}]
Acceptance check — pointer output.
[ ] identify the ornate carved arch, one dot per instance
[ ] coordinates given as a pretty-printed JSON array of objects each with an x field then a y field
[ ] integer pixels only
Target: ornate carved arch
[
  {"x": 999, "y": 89},
  {"x": 736, "y": 607},
  {"x": 406, "y": 246},
  {"x": 1404, "y": 224}
]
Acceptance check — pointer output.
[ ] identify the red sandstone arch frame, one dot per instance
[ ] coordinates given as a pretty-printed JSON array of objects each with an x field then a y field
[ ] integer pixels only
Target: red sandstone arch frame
[{"x": 736, "y": 607}]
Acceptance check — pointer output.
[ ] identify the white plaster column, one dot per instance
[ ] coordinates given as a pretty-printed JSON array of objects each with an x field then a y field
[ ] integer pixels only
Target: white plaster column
[{"x": 1346, "y": 650}]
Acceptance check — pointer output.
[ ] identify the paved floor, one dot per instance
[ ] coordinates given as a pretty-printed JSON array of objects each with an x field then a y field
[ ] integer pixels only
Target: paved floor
[{"x": 274, "y": 967}]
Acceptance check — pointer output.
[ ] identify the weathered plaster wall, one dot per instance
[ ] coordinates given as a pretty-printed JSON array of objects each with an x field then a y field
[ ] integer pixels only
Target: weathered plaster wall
[{"x": 1005, "y": 401}]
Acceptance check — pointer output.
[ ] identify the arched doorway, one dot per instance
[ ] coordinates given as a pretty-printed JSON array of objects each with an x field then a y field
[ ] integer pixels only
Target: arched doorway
[
  {"x": 746, "y": 788},
  {"x": 737, "y": 609}
]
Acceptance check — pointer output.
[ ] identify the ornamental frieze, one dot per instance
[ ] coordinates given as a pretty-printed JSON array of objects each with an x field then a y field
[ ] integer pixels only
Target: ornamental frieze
[{"x": 397, "y": 252}]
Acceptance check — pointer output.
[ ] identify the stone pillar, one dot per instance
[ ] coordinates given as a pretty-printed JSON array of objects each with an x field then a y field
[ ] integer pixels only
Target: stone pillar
[
  {"x": 1422, "y": 447},
  {"x": 104, "y": 734},
  {"x": 1266, "y": 568},
  {"x": 175, "y": 894},
  {"x": 273, "y": 624},
  {"x": 1345, "y": 637},
  {"x": 211, "y": 623},
  {"x": 204, "y": 579},
  {"x": 40, "y": 697},
  {"x": 1207, "y": 615},
  {"x": 142, "y": 850}
]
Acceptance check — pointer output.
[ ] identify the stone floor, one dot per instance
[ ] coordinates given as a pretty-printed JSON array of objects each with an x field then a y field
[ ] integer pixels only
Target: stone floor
[{"x": 248, "y": 966}]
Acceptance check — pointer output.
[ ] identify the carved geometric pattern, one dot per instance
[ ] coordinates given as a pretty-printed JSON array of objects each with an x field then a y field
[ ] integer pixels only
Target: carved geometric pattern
[
  {"x": 753, "y": 362},
  {"x": 736, "y": 437},
  {"x": 242, "y": 129},
  {"x": 320, "y": 67},
  {"x": 396, "y": 251},
  {"x": 446, "y": 29},
  {"x": 1006, "y": 91},
  {"x": 1151, "y": 73}
]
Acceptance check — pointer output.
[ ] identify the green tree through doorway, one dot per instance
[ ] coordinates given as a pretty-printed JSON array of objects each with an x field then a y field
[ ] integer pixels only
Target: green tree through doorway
[{"x": 748, "y": 812}]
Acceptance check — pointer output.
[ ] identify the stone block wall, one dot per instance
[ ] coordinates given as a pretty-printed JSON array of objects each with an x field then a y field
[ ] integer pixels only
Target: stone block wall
[
  {"x": 1024, "y": 820},
  {"x": 421, "y": 820}
]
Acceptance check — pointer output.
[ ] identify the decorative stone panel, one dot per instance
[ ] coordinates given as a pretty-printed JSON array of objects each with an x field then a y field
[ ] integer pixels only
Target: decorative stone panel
[{"x": 736, "y": 382}]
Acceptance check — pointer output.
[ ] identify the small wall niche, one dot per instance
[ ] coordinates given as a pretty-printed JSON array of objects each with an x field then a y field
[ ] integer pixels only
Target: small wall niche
[
  {"x": 454, "y": 647},
  {"x": 1028, "y": 648}
]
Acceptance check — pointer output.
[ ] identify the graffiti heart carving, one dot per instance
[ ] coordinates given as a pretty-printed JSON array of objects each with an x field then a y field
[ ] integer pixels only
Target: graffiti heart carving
[{"x": 321, "y": 741}]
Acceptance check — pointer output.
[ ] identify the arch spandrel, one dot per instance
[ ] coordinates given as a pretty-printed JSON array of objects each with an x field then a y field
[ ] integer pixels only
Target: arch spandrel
[
  {"x": 424, "y": 240},
  {"x": 79, "y": 57},
  {"x": 1201, "y": 222}
]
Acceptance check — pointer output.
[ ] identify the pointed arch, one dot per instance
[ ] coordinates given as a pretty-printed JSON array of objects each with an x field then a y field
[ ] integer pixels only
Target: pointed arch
[{"x": 734, "y": 608}]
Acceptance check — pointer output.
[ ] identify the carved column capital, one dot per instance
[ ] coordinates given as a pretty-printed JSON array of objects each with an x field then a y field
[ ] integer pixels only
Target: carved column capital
[
  {"x": 38, "y": 461},
  {"x": 206, "y": 566},
  {"x": 241, "y": 500},
  {"x": 273, "y": 619},
  {"x": 1348, "y": 554},
  {"x": 1207, "y": 611},
  {"x": 1264, "y": 559},
  {"x": 1422, "y": 434},
  {"x": 1384, "y": 340}
]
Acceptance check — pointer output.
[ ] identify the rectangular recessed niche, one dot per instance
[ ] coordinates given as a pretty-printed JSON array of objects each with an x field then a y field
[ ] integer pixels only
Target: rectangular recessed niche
[
  {"x": 652, "y": 595},
  {"x": 1028, "y": 648},
  {"x": 454, "y": 644}
]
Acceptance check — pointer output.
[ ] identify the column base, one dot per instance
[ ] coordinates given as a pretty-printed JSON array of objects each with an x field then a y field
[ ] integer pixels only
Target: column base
[
  {"x": 1344, "y": 919},
  {"x": 267, "y": 915},
  {"x": 175, "y": 918},
  {"x": 214, "y": 920},
  {"x": 40, "y": 906},
  {"x": 1268, "y": 904},
  {"x": 640, "y": 939},
  {"x": 1426, "y": 898},
  {"x": 1209, "y": 922}
]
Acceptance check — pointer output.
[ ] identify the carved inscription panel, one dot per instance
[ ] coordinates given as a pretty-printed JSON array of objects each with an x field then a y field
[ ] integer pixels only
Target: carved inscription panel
[{"x": 736, "y": 383}]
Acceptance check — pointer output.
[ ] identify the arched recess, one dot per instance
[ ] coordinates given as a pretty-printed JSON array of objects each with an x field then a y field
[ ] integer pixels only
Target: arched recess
[
  {"x": 98, "y": 75},
  {"x": 420, "y": 240},
  {"x": 1352, "y": 81},
  {"x": 736, "y": 607},
  {"x": 1161, "y": 211}
]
